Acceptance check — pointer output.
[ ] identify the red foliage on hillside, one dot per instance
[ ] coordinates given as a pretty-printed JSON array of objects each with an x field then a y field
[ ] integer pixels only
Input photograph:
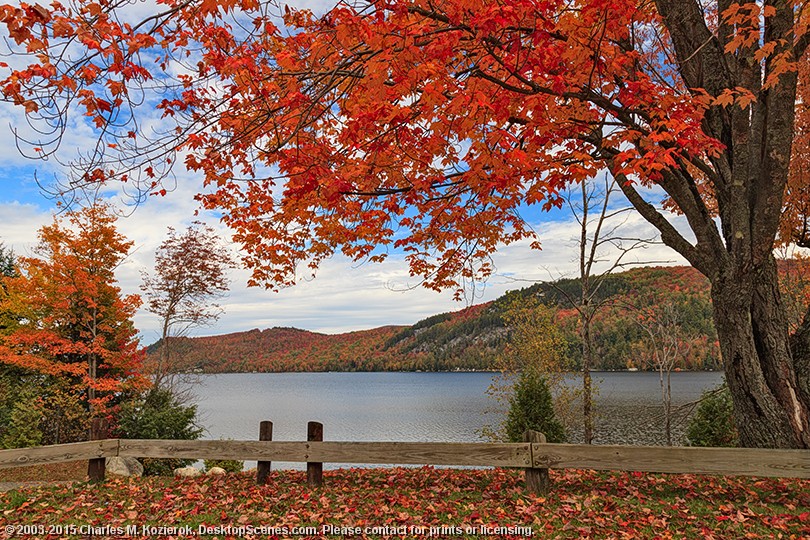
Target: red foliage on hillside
[
  {"x": 284, "y": 349},
  {"x": 470, "y": 339}
]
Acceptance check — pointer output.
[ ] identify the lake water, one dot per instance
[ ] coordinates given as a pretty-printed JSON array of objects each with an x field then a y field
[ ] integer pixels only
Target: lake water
[{"x": 430, "y": 407}]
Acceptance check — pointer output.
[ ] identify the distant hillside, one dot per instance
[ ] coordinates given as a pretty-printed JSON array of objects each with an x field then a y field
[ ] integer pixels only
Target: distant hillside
[
  {"x": 283, "y": 349},
  {"x": 469, "y": 339}
]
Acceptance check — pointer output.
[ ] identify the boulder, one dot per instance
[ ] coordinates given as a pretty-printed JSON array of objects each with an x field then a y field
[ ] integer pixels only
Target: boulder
[
  {"x": 187, "y": 472},
  {"x": 217, "y": 471},
  {"x": 123, "y": 466}
]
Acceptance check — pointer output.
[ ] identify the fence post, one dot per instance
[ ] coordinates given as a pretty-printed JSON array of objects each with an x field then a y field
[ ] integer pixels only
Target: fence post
[
  {"x": 314, "y": 469},
  {"x": 537, "y": 480},
  {"x": 97, "y": 467},
  {"x": 263, "y": 467}
]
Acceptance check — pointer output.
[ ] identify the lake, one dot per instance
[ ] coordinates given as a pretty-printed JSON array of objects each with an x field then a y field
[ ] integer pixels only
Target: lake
[{"x": 430, "y": 407}]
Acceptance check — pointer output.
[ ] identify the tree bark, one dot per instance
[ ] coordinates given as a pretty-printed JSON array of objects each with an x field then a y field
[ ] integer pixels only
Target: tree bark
[
  {"x": 770, "y": 406},
  {"x": 766, "y": 370},
  {"x": 800, "y": 348}
]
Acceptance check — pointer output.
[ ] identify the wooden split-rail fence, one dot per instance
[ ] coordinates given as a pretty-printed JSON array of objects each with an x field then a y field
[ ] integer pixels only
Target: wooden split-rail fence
[{"x": 535, "y": 455}]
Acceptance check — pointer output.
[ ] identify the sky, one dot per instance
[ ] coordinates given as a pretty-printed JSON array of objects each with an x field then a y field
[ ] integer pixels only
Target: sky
[{"x": 344, "y": 296}]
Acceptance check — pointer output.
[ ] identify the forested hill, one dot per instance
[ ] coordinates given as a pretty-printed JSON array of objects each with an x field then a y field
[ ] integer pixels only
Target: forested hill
[{"x": 470, "y": 339}]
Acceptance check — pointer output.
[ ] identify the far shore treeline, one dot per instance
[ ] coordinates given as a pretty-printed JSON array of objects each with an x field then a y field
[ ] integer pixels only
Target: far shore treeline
[{"x": 472, "y": 338}]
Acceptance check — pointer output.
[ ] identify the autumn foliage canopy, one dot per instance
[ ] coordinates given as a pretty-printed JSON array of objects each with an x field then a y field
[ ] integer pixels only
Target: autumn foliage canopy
[
  {"x": 392, "y": 124},
  {"x": 430, "y": 128},
  {"x": 397, "y": 125}
]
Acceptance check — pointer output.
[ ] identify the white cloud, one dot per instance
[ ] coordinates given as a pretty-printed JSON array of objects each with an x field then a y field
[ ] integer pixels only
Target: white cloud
[
  {"x": 343, "y": 297},
  {"x": 20, "y": 225}
]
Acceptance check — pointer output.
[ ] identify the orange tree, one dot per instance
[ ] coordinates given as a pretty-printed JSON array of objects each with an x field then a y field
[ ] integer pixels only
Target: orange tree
[
  {"x": 429, "y": 127},
  {"x": 72, "y": 325}
]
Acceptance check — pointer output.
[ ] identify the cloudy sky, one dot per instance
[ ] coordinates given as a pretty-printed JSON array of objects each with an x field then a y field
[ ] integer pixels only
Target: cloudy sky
[{"x": 343, "y": 297}]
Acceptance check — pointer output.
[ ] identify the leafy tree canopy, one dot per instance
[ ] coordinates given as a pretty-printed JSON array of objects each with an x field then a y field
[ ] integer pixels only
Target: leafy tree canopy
[
  {"x": 71, "y": 321},
  {"x": 428, "y": 127}
]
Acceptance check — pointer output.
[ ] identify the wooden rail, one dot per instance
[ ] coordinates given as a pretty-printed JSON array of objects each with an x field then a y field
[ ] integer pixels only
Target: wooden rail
[
  {"x": 58, "y": 453},
  {"x": 675, "y": 459},
  {"x": 532, "y": 456},
  {"x": 722, "y": 461},
  {"x": 394, "y": 453}
]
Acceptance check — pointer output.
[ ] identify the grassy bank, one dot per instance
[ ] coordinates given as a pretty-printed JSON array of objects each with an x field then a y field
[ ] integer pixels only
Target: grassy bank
[{"x": 423, "y": 502}]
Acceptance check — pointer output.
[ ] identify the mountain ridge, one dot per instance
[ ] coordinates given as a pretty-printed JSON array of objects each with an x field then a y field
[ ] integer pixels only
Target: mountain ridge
[{"x": 467, "y": 339}]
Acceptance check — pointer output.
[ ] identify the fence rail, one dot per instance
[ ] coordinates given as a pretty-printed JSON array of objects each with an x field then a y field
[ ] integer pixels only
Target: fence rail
[
  {"x": 58, "y": 453},
  {"x": 723, "y": 461},
  {"x": 726, "y": 461},
  {"x": 533, "y": 456},
  {"x": 400, "y": 453}
]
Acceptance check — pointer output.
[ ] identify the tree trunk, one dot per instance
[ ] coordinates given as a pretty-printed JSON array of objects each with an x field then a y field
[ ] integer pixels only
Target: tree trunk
[
  {"x": 161, "y": 369},
  {"x": 92, "y": 368},
  {"x": 800, "y": 347},
  {"x": 667, "y": 391},
  {"x": 770, "y": 408},
  {"x": 587, "y": 392},
  {"x": 91, "y": 391}
]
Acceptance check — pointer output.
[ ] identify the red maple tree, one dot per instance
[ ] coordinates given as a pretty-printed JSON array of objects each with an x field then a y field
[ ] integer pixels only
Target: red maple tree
[{"x": 429, "y": 128}]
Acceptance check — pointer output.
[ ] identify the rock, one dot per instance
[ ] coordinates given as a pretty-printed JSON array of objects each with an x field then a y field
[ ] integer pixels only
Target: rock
[
  {"x": 123, "y": 466},
  {"x": 217, "y": 471},
  {"x": 187, "y": 472}
]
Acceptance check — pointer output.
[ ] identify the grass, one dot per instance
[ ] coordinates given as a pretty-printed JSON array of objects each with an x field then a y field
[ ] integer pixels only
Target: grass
[{"x": 384, "y": 503}]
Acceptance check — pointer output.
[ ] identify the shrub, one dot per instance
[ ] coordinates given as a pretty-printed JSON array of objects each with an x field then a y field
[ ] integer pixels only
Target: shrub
[
  {"x": 65, "y": 417},
  {"x": 713, "y": 422},
  {"x": 532, "y": 407},
  {"x": 8, "y": 394},
  {"x": 22, "y": 429},
  {"x": 41, "y": 415},
  {"x": 159, "y": 414}
]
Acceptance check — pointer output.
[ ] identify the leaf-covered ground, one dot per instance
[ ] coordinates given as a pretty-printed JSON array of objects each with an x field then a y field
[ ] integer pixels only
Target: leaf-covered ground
[
  {"x": 414, "y": 503},
  {"x": 71, "y": 470}
]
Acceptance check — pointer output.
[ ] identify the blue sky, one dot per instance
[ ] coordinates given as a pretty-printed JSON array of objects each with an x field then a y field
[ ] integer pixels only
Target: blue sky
[{"x": 344, "y": 296}]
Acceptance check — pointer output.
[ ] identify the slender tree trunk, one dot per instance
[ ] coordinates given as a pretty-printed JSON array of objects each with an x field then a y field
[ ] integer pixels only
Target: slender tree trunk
[
  {"x": 161, "y": 370},
  {"x": 771, "y": 405},
  {"x": 92, "y": 369},
  {"x": 668, "y": 405},
  {"x": 585, "y": 312},
  {"x": 587, "y": 393},
  {"x": 91, "y": 392}
]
